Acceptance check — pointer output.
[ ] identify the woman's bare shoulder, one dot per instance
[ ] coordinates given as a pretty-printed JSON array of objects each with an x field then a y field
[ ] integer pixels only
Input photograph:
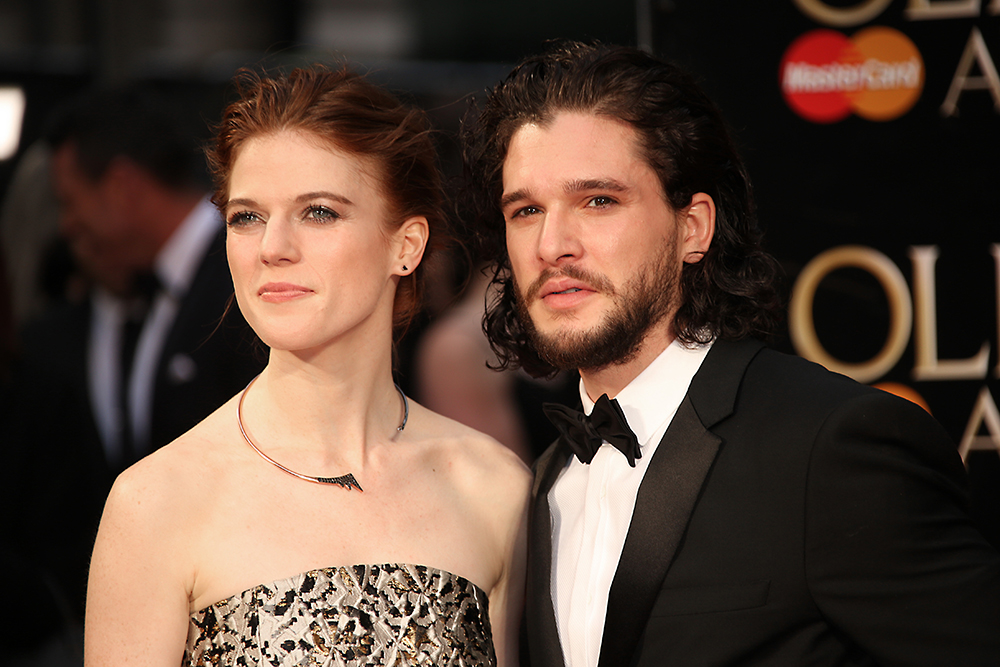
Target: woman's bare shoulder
[
  {"x": 170, "y": 481},
  {"x": 479, "y": 463}
]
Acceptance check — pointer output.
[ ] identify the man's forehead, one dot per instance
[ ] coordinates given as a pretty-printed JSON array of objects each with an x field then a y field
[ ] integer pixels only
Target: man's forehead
[
  {"x": 577, "y": 120},
  {"x": 578, "y": 132},
  {"x": 573, "y": 151}
]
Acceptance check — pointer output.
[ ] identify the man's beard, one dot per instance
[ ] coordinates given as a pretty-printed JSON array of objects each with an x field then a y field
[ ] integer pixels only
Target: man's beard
[{"x": 641, "y": 304}]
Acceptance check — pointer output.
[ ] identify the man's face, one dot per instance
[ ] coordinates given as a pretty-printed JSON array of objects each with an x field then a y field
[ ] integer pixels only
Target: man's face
[
  {"x": 95, "y": 220},
  {"x": 594, "y": 245}
]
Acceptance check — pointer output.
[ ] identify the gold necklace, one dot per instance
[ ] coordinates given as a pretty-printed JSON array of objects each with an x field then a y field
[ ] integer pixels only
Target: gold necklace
[{"x": 344, "y": 481}]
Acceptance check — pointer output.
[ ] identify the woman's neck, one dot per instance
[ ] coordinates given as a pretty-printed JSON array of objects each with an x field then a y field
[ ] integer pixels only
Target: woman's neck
[{"x": 331, "y": 411}]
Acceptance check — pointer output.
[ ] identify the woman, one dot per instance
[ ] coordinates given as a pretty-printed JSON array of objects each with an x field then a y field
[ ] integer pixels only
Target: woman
[{"x": 320, "y": 516}]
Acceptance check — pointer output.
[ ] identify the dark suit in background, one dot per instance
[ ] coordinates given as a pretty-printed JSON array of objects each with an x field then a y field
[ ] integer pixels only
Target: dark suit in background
[
  {"x": 790, "y": 516},
  {"x": 59, "y": 473}
]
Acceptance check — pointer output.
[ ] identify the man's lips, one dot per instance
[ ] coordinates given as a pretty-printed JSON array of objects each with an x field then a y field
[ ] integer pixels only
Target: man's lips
[
  {"x": 567, "y": 288},
  {"x": 563, "y": 287},
  {"x": 564, "y": 293},
  {"x": 277, "y": 292}
]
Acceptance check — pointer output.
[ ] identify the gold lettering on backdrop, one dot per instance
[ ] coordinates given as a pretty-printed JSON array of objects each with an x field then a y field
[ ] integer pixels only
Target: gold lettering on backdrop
[
  {"x": 928, "y": 10},
  {"x": 802, "y": 328},
  {"x": 984, "y": 412},
  {"x": 927, "y": 366},
  {"x": 995, "y": 251},
  {"x": 975, "y": 53},
  {"x": 916, "y": 10},
  {"x": 842, "y": 17}
]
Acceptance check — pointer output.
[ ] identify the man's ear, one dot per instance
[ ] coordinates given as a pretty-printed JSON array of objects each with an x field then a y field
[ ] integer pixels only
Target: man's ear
[
  {"x": 411, "y": 241},
  {"x": 698, "y": 227}
]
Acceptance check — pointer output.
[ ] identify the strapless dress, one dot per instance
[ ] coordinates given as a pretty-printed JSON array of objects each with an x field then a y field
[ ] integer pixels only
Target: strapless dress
[{"x": 348, "y": 616}]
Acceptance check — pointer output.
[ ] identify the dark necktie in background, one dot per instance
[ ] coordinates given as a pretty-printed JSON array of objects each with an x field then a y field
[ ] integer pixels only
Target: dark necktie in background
[
  {"x": 147, "y": 286},
  {"x": 585, "y": 434}
]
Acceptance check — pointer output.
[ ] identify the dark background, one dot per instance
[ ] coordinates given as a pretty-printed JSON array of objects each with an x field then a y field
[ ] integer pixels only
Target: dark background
[{"x": 922, "y": 179}]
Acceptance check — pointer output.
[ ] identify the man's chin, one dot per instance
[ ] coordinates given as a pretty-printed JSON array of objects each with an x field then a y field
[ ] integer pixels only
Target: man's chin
[{"x": 577, "y": 348}]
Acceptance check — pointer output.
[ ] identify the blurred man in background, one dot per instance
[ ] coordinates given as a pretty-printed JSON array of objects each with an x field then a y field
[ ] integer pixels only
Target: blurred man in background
[{"x": 144, "y": 348}]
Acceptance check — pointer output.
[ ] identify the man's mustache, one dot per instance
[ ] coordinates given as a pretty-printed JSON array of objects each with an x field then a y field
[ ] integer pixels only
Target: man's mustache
[{"x": 595, "y": 281}]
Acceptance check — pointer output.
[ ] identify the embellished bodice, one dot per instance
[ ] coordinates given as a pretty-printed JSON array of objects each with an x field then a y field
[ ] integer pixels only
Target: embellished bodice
[{"x": 357, "y": 615}]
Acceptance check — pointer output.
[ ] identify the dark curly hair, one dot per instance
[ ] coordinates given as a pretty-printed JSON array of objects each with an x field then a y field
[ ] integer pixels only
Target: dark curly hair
[
  {"x": 731, "y": 293},
  {"x": 355, "y": 116}
]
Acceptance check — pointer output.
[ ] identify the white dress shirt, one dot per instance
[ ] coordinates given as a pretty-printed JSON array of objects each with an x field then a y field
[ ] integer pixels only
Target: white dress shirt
[
  {"x": 592, "y": 505},
  {"x": 175, "y": 266}
]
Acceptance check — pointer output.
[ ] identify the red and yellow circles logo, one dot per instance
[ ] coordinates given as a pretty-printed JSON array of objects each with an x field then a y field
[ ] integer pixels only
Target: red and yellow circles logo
[{"x": 878, "y": 74}]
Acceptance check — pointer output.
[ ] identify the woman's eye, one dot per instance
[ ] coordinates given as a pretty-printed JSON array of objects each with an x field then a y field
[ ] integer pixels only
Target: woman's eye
[
  {"x": 242, "y": 219},
  {"x": 321, "y": 213}
]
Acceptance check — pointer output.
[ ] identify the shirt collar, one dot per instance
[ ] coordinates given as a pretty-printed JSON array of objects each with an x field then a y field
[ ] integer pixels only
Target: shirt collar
[
  {"x": 654, "y": 395},
  {"x": 179, "y": 258}
]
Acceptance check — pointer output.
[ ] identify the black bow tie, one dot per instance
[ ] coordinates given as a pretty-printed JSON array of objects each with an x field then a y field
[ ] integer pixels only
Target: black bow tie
[{"x": 586, "y": 434}]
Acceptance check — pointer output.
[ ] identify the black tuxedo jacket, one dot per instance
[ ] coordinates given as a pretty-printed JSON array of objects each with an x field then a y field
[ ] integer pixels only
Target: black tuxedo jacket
[
  {"x": 789, "y": 516},
  {"x": 58, "y": 477}
]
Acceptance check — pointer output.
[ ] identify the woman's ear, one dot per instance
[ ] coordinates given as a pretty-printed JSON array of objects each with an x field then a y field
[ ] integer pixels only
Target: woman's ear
[
  {"x": 411, "y": 241},
  {"x": 698, "y": 227}
]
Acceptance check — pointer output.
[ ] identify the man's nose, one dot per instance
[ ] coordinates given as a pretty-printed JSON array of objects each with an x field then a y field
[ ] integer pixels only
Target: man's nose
[{"x": 559, "y": 237}]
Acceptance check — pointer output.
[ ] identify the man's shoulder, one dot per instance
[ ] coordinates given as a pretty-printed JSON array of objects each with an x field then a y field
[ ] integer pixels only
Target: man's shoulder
[
  {"x": 777, "y": 383},
  {"x": 787, "y": 372}
]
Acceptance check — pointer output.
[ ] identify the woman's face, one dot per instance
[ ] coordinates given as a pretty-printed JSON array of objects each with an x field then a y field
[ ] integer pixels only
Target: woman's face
[{"x": 311, "y": 261}]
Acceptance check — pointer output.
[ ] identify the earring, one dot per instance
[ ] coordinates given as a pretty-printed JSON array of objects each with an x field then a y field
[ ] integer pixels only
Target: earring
[{"x": 404, "y": 268}]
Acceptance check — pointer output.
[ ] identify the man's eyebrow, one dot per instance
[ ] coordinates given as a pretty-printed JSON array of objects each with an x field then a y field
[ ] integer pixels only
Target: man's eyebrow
[
  {"x": 608, "y": 184},
  {"x": 579, "y": 185},
  {"x": 515, "y": 196}
]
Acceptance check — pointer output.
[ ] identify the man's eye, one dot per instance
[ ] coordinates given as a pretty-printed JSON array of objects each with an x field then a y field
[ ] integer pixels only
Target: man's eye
[
  {"x": 524, "y": 212},
  {"x": 601, "y": 201}
]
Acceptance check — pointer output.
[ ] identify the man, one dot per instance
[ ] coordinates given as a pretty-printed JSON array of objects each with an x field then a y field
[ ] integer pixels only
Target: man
[
  {"x": 765, "y": 511},
  {"x": 145, "y": 350}
]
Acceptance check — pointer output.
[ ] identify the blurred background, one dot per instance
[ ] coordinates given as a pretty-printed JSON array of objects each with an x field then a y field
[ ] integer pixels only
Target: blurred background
[{"x": 876, "y": 187}]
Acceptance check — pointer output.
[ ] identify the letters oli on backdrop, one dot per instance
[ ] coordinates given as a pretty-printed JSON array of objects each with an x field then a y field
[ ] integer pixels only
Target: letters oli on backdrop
[
  {"x": 975, "y": 56},
  {"x": 916, "y": 10},
  {"x": 920, "y": 319}
]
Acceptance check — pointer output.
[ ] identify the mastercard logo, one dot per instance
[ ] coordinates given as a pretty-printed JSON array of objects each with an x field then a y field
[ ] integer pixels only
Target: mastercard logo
[{"x": 877, "y": 74}]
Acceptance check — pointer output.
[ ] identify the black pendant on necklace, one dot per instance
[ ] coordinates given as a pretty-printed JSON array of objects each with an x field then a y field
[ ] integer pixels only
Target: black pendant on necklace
[{"x": 344, "y": 481}]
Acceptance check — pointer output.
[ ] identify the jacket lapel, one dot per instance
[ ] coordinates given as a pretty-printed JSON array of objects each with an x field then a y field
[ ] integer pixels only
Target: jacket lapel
[
  {"x": 540, "y": 618},
  {"x": 667, "y": 497}
]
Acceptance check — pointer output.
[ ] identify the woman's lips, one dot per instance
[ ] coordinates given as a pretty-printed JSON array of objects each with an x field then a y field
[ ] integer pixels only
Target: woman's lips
[{"x": 280, "y": 292}]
